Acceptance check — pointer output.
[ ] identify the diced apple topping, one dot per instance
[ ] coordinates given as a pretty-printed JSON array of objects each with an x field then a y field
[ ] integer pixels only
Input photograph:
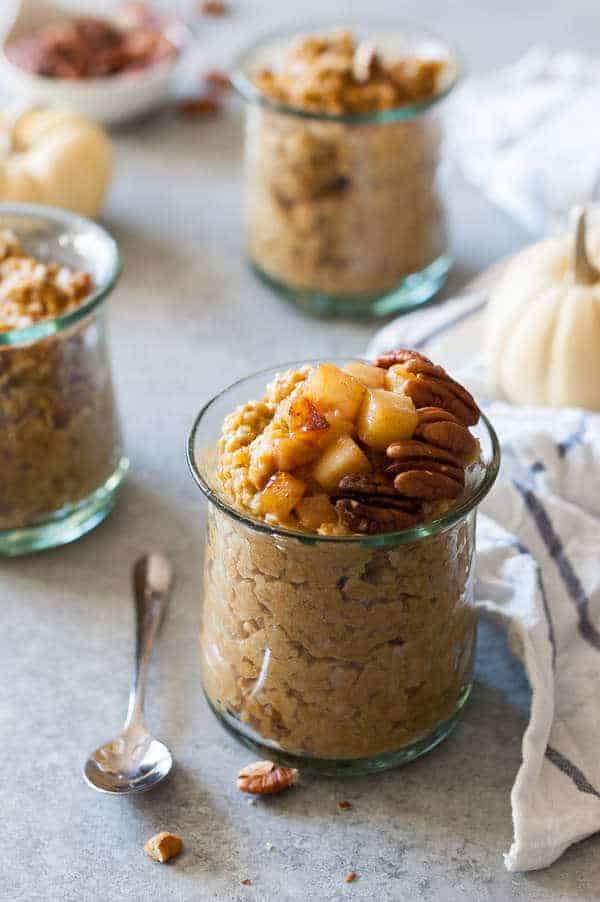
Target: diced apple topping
[
  {"x": 281, "y": 495},
  {"x": 371, "y": 376},
  {"x": 304, "y": 416},
  {"x": 340, "y": 459},
  {"x": 386, "y": 417},
  {"x": 395, "y": 378},
  {"x": 338, "y": 426},
  {"x": 331, "y": 389},
  {"x": 314, "y": 511},
  {"x": 293, "y": 451}
]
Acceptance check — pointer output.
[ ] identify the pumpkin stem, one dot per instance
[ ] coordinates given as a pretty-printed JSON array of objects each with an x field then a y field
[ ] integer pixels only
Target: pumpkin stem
[{"x": 585, "y": 271}]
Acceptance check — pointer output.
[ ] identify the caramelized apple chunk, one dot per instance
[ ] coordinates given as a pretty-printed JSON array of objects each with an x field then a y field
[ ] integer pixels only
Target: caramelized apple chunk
[
  {"x": 340, "y": 459},
  {"x": 386, "y": 417},
  {"x": 329, "y": 388},
  {"x": 314, "y": 511},
  {"x": 281, "y": 495},
  {"x": 395, "y": 378},
  {"x": 370, "y": 376}
]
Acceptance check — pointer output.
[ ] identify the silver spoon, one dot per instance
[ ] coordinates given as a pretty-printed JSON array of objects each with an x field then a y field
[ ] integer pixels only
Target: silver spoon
[{"x": 135, "y": 761}]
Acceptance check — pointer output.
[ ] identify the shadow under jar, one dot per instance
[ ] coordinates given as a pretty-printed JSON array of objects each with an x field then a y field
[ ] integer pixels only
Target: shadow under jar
[
  {"x": 340, "y": 655},
  {"x": 343, "y": 211},
  {"x": 60, "y": 441}
]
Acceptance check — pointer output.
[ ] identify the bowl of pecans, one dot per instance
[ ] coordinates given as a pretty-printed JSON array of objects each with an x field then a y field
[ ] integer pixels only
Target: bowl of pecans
[{"x": 110, "y": 68}]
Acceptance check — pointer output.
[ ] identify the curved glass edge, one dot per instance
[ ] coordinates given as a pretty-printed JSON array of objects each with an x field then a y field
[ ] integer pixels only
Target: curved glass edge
[
  {"x": 406, "y": 536},
  {"x": 250, "y": 93},
  {"x": 48, "y": 327}
]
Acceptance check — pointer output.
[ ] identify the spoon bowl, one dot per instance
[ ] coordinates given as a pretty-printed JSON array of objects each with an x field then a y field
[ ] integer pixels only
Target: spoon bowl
[{"x": 128, "y": 764}]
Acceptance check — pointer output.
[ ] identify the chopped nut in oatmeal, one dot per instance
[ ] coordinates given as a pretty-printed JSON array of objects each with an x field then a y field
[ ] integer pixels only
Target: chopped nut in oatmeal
[{"x": 344, "y": 208}]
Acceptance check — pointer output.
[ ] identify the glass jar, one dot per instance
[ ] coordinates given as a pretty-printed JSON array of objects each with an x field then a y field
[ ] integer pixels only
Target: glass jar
[
  {"x": 337, "y": 654},
  {"x": 343, "y": 212},
  {"x": 60, "y": 441}
]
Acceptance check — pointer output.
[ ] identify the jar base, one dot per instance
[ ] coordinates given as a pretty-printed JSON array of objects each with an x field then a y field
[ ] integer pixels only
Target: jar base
[
  {"x": 68, "y": 524},
  {"x": 411, "y": 292},
  {"x": 344, "y": 767}
]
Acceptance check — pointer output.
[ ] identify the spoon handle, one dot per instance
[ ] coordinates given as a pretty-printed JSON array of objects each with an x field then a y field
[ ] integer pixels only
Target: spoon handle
[{"x": 152, "y": 579}]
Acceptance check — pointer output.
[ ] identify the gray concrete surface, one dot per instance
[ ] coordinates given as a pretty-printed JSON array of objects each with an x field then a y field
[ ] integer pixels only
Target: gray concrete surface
[{"x": 187, "y": 318}]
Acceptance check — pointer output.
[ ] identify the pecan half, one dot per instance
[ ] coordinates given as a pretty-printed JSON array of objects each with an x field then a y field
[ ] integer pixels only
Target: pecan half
[
  {"x": 405, "y": 466},
  {"x": 413, "y": 449},
  {"x": 435, "y": 415},
  {"x": 373, "y": 489},
  {"x": 371, "y": 519},
  {"x": 451, "y": 436},
  {"x": 265, "y": 778},
  {"x": 430, "y": 386},
  {"x": 400, "y": 355},
  {"x": 427, "y": 485},
  {"x": 369, "y": 504},
  {"x": 424, "y": 472}
]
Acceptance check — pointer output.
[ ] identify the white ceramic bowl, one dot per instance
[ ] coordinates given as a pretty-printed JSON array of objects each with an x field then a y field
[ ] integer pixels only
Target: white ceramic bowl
[{"x": 108, "y": 100}]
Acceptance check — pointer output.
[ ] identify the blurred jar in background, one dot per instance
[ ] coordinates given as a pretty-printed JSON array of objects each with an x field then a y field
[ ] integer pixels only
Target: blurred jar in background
[{"x": 343, "y": 211}]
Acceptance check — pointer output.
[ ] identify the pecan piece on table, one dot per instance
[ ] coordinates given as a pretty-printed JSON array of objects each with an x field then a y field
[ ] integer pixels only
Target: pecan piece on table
[
  {"x": 163, "y": 846},
  {"x": 265, "y": 778},
  {"x": 430, "y": 385}
]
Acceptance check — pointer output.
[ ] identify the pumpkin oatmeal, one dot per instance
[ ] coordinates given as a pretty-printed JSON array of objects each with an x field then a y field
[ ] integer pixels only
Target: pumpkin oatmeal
[
  {"x": 58, "y": 430},
  {"x": 317, "y": 641},
  {"x": 336, "y": 204}
]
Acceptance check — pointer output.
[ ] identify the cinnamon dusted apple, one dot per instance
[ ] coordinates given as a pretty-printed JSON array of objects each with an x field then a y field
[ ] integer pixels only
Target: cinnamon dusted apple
[{"x": 360, "y": 448}]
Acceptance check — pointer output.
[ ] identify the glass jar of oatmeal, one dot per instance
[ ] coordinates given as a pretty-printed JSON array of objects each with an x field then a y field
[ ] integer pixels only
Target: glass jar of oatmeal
[
  {"x": 338, "y": 654},
  {"x": 343, "y": 210},
  {"x": 60, "y": 441}
]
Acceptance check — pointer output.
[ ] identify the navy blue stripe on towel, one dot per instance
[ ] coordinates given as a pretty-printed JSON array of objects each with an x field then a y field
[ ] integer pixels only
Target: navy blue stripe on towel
[
  {"x": 572, "y": 771},
  {"x": 552, "y": 541}
]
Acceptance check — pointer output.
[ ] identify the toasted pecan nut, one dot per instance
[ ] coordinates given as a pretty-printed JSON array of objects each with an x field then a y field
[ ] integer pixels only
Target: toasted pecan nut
[
  {"x": 430, "y": 385},
  {"x": 403, "y": 466},
  {"x": 370, "y": 519},
  {"x": 413, "y": 449},
  {"x": 366, "y": 485},
  {"x": 163, "y": 846},
  {"x": 427, "y": 485},
  {"x": 265, "y": 778},
  {"x": 435, "y": 415},
  {"x": 428, "y": 391},
  {"x": 451, "y": 436},
  {"x": 401, "y": 355}
]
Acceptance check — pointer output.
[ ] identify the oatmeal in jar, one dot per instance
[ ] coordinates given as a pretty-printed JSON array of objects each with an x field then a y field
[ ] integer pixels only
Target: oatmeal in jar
[
  {"x": 59, "y": 437},
  {"x": 341, "y": 172},
  {"x": 339, "y": 621}
]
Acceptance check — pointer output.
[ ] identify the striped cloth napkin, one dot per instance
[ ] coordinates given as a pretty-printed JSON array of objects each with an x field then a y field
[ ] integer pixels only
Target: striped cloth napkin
[{"x": 538, "y": 547}]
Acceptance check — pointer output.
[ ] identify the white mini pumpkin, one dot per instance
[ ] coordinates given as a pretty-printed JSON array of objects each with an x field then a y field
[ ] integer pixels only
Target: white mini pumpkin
[
  {"x": 54, "y": 157},
  {"x": 542, "y": 339}
]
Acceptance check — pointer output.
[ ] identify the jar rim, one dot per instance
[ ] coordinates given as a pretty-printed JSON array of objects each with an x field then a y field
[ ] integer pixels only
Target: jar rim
[
  {"x": 71, "y": 221},
  {"x": 246, "y": 88},
  {"x": 440, "y": 524}
]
